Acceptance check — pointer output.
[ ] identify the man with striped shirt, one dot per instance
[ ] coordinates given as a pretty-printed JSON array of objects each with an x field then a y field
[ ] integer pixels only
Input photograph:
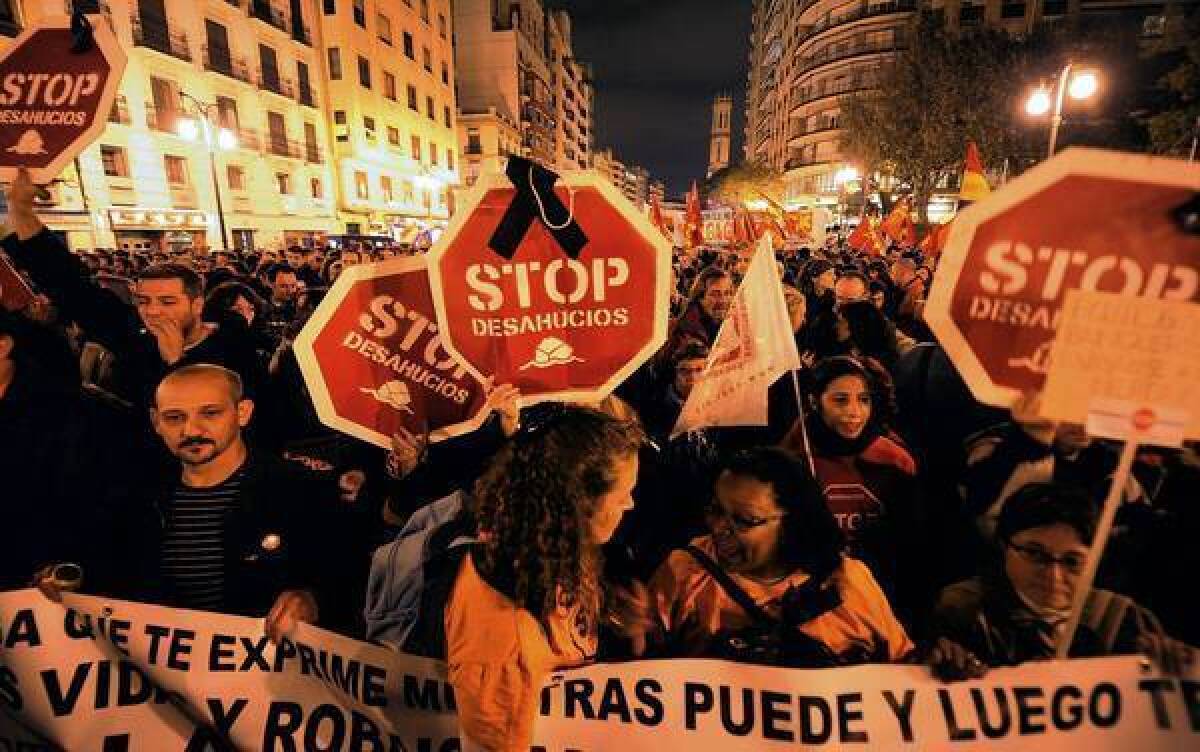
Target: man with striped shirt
[{"x": 237, "y": 534}]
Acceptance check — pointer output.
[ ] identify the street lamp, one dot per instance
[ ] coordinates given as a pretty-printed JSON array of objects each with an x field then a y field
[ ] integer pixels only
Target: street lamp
[
  {"x": 841, "y": 178},
  {"x": 201, "y": 127},
  {"x": 1082, "y": 85}
]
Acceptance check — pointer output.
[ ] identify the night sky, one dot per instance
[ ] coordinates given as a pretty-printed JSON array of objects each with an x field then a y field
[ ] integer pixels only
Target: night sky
[{"x": 658, "y": 64}]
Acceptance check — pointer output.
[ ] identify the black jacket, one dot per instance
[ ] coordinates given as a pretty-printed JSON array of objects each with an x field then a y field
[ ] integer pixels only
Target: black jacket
[
  {"x": 107, "y": 320},
  {"x": 70, "y": 489},
  {"x": 277, "y": 498}
]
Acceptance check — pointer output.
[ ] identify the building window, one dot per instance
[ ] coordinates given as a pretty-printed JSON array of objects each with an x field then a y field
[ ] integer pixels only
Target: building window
[
  {"x": 369, "y": 127},
  {"x": 445, "y": 74},
  {"x": 389, "y": 86},
  {"x": 412, "y": 99},
  {"x": 361, "y": 188},
  {"x": 473, "y": 144},
  {"x": 416, "y": 147},
  {"x": 383, "y": 28},
  {"x": 430, "y": 110},
  {"x": 408, "y": 46},
  {"x": 312, "y": 151},
  {"x": 335, "y": 64},
  {"x": 449, "y": 158},
  {"x": 433, "y": 154},
  {"x": 339, "y": 117},
  {"x": 393, "y": 136},
  {"x": 277, "y": 129},
  {"x": 235, "y": 177},
  {"x": 1012, "y": 10},
  {"x": 331, "y": 7},
  {"x": 360, "y": 13},
  {"x": 177, "y": 172},
  {"x": 427, "y": 59},
  {"x": 442, "y": 25},
  {"x": 316, "y": 188},
  {"x": 115, "y": 163},
  {"x": 385, "y": 185},
  {"x": 446, "y": 115},
  {"x": 364, "y": 72},
  {"x": 425, "y": 11},
  {"x": 284, "y": 181}
]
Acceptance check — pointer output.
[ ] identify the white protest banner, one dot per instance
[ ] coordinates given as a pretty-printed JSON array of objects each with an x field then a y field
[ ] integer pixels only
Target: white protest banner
[
  {"x": 97, "y": 674},
  {"x": 754, "y": 347}
]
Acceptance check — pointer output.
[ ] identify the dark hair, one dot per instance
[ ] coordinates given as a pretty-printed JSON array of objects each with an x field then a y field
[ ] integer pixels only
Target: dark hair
[
  {"x": 193, "y": 283},
  {"x": 869, "y": 330},
  {"x": 1042, "y": 504},
  {"x": 691, "y": 350},
  {"x": 810, "y": 539},
  {"x": 280, "y": 269},
  {"x": 879, "y": 383},
  {"x": 704, "y": 279},
  {"x": 534, "y": 500},
  {"x": 813, "y": 269},
  {"x": 222, "y": 297}
]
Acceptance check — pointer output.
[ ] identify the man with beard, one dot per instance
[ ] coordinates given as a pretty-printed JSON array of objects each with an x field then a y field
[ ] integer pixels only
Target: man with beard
[
  {"x": 166, "y": 330},
  {"x": 239, "y": 528}
]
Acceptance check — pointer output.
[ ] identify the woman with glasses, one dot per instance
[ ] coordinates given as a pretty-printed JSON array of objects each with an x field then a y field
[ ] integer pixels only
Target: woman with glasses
[
  {"x": 770, "y": 584},
  {"x": 1017, "y": 611}
]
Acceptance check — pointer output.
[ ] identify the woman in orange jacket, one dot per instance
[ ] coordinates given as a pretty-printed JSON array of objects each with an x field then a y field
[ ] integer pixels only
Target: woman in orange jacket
[{"x": 528, "y": 600}]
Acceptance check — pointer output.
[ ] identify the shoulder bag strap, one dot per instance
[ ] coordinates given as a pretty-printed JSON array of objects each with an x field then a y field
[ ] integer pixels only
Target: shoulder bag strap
[{"x": 740, "y": 596}]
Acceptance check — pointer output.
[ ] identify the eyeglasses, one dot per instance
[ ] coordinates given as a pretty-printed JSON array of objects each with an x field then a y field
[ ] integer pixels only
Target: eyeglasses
[
  {"x": 1042, "y": 559},
  {"x": 739, "y": 522}
]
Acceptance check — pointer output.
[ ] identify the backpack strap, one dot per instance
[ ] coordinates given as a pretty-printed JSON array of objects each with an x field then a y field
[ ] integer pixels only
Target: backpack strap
[{"x": 731, "y": 588}]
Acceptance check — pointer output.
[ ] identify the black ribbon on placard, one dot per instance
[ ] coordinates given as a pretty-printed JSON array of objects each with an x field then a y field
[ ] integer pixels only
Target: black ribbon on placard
[
  {"x": 535, "y": 200},
  {"x": 81, "y": 32}
]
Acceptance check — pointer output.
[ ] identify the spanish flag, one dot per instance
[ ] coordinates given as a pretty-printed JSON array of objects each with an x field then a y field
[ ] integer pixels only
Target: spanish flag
[
  {"x": 899, "y": 225},
  {"x": 865, "y": 238},
  {"x": 974, "y": 184},
  {"x": 935, "y": 240}
]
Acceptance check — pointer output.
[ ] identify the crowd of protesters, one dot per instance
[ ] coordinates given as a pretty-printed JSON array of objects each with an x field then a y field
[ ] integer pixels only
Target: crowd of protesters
[{"x": 157, "y": 443}]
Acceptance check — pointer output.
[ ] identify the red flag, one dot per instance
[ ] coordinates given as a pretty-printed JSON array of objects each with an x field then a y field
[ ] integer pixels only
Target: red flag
[
  {"x": 656, "y": 216},
  {"x": 865, "y": 238},
  {"x": 974, "y": 184},
  {"x": 935, "y": 240},
  {"x": 695, "y": 222},
  {"x": 899, "y": 225}
]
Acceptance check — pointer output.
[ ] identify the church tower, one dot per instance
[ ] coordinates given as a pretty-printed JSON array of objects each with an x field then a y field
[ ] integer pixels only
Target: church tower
[{"x": 719, "y": 141}]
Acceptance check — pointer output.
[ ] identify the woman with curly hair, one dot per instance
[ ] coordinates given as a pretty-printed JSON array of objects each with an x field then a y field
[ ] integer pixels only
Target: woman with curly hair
[
  {"x": 528, "y": 599},
  {"x": 868, "y": 478}
]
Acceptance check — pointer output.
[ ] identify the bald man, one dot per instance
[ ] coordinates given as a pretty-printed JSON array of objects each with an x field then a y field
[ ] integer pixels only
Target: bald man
[{"x": 239, "y": 529}]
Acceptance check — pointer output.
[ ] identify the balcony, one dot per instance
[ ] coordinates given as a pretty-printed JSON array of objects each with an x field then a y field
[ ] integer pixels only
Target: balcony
[
  {"x": 796, "y": 163},
  {"x": 798, "y": 132},
  {"x": 119, "y": 113},
  {"x": 218, "y": 60},
  {"x": 809, "y": 95},
  {"x": 157, "y": 35},
  {"x": 248, "y": 139},
  {"x": 271, "y": 81},
  {"x": 863, "y": 11},
  {"x": 269, "y": 15},
  {"x": 281, "y": 146},
  {"x": 183, "y": 196},
  {"x": 845, "y": 51}
]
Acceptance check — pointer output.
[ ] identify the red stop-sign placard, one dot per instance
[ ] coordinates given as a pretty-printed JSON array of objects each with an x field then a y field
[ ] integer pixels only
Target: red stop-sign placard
[
  {"x": 553, "y": 326},
  {"x": 373, "y": 359},
  {"x": 1088, "y": 219},
  {"x": 55, "y": 102}
]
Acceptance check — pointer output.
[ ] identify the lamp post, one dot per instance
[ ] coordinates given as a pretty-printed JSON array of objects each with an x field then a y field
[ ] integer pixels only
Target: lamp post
[
  {"x": 215, "y": 138},
  {"x": 1082, "y": 85},
  {"x": 847, "y": 174}
]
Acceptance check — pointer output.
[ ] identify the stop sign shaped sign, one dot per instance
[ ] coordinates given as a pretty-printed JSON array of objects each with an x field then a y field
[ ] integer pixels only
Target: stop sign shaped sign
[
  {"x": 55, "y": 100},
  {"x": 373, "y": 359},
  {"x": 566, "y": 306},
  {"x": 1087, "y": 219}
]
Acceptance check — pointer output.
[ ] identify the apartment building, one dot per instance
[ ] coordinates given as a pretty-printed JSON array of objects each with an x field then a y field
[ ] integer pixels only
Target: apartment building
[
  {"x": 248, "y": 70},
  {"x": 516, "y": 69},
  {"x": 389, "y": 70},
  {"x": 807, "y": 54}
]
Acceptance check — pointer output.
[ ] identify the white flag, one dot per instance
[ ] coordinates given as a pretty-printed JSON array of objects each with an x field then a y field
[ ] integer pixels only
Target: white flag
[{"x": 754, "y": 347}]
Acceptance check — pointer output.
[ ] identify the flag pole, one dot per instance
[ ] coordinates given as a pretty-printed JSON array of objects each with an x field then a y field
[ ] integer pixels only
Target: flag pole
[
  {"x": 812, "y": 466},
  {"x": 1083, "y": 587}
]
